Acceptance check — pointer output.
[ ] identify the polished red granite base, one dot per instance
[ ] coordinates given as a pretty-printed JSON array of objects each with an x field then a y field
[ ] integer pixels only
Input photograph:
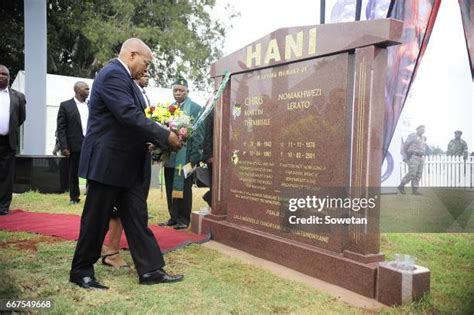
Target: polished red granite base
[
  {"x": 397, "y": 287},
  {"x": 319, "y": 263}
]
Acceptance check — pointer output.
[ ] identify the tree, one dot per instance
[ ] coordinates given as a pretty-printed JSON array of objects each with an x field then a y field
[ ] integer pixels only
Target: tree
[
  {"x": 84, "y": 35},
  {"x": 12, "y": 39},
  {"x": 434, "y": 150}
]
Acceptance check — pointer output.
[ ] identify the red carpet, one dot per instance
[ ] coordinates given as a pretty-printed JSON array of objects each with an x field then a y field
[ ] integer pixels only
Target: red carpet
[{"x": 66, "y": 226}]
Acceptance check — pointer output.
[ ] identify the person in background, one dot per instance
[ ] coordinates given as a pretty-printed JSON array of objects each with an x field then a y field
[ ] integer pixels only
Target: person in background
[
  {"x": 179, "y": 193},
  {"x": 415, "y": 150},
  {"x": 71, "y": 128},
  {"x": 142, "y": 83},
  {"x": 12, "y": 116},
  {"x": 457, "y": 146},
  {"x": 57, "y": 148},
  {"x": 111, "y": 253}
]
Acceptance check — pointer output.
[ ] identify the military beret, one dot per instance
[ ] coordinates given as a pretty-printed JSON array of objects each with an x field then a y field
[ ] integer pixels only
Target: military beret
[
  {"x": 420, "y": 126},
  {"x": 181, "y": 81}
]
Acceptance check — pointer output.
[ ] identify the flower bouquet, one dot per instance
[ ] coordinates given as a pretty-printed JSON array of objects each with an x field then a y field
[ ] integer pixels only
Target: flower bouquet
[{"x": 175, "y": 119}]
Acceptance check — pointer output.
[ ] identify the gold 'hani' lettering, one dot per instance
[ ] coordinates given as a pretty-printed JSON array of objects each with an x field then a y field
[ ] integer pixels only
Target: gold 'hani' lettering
[
  {"x": 292, "y": 46},
  {"x": 293, "y": 49},
  {"x": 312, "y": 41},
  {"x": 257, "y": 55},
  {"x": 272, "y": 52}
]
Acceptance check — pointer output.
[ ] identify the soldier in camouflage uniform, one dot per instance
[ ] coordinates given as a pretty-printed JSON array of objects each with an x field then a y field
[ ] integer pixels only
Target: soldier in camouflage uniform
[
  {"x": 415, "y": 149},
  {"x": 457, "y": 146}
]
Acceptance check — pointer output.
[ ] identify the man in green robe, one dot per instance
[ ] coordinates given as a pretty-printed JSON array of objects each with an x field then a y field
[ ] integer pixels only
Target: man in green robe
[{"x": 178, "y": 188}]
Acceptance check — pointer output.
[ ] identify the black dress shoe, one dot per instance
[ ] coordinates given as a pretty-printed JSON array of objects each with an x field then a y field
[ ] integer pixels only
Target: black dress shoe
[
  {"x": 74, "y": 202},
  {"x": 180, "y": 226},
  {"x": 168, "y": 223},
  {"x": 88, "y": 283},
  {"x": 158, "y": 276},
  {"x": 4, "y": 212}
]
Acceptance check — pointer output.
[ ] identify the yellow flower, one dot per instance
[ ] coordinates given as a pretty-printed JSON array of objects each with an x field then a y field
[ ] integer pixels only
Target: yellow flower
[{"x": 148, "y": 112}]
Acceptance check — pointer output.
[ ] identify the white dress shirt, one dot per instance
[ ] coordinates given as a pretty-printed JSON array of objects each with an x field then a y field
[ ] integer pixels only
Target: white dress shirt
[
  {"x": 83, "y": 109},
  {"x": 4, "y": 112},
  {"x": 145, "y": 97}
]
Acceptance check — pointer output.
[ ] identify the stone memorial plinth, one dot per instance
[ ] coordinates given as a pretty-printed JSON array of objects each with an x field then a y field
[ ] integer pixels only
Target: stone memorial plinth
[
  {"x": 396, "y": 286},
  {"x": 196, "y": 221},
  {"x": 303, "y": 119}
]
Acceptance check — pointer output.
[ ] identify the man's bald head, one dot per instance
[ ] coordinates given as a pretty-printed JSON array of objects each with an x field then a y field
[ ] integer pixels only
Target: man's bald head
[
  {"x": 81, "y": 89},
  {"x": 135, "y": 45},
  {"x": 4, "y": 77},
  {"x": 80, "y": 84},
  {"x": 136, "y": 55},
  {"x": 2, "y": 67}
]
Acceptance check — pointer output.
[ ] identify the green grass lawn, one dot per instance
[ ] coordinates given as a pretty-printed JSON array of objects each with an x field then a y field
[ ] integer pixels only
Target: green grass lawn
[
  {"x": 35, "y": 267},
  {"x": 439, "y": 210}
]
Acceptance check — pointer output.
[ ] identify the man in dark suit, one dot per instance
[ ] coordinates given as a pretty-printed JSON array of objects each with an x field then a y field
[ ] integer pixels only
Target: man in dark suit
[
  {"x": 142, "y": 83},
  {"x": 114, "y": 159},
  {"x": 12, "y": 115},
  {"x": 72, "y": 126}
]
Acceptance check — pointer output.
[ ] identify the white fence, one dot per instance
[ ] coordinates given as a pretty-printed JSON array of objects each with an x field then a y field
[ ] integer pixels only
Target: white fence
[{"x": 445, "y": 171}]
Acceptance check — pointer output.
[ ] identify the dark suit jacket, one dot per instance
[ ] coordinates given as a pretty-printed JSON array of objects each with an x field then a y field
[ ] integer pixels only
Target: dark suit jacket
[
  {"x": 208, "y": 140},
  {"x": 147, "y": 165},
  {"x": 114, "y": 151},
  {"x": 17, "y": 115},
  {"x": 69, "y": 126}
]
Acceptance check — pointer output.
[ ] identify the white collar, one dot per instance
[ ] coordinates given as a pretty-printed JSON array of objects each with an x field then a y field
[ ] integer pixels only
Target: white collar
[
  {"x": 78, "y": 101},
  {"x": 125, "y": 66},
  {"x": 5, "y": 90}
]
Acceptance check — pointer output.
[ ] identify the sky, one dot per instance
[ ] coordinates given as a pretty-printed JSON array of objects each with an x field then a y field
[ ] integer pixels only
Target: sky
[
  {"x": 442, "y": 94},
  {"x": 260, "y": 17}
]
